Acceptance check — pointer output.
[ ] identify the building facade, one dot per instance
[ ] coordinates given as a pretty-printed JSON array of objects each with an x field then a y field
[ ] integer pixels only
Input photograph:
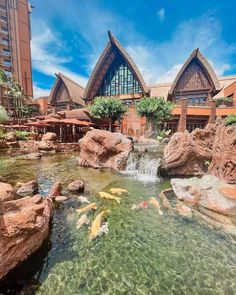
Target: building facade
[
  {"x": 194, "y": 92},
  {"x": 15, "y": 52},
  {"x": 66, "y": 94}
]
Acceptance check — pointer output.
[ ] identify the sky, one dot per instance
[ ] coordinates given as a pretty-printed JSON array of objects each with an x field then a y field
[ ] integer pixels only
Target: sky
[{"x": 68, "y": 36}]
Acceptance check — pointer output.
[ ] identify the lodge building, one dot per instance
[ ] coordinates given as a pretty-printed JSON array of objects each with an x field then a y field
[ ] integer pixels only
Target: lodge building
[{"x": 196, "y": 90}]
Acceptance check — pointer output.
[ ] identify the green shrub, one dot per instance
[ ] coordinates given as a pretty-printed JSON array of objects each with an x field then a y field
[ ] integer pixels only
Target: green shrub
[
  {"x": 2, "y": 134},
  {"x": 230, "y": 119},
  {"x": 22, "y": 135}
]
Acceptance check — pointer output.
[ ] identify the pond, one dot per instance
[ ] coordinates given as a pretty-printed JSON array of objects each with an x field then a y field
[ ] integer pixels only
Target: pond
[{"x": 143, "y": 253}]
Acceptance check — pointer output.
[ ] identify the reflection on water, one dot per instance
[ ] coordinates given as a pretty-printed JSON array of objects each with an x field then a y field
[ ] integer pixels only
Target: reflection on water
[{"x": 144, "y": 253}]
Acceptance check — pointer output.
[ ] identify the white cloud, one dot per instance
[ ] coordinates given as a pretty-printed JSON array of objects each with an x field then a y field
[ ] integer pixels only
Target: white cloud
[
  {"x": 46, "y": 57},
  {"x": 161, "y": 61},
  {"x": 40, "y": 92},
  {"x": 161, "y": 14}
]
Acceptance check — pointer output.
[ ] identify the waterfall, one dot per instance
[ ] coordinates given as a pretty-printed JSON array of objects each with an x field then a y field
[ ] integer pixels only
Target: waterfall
[{"x": 143, "y": 167}]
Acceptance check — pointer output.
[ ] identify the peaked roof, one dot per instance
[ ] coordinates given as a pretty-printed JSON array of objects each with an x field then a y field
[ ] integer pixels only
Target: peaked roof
[
  {"x": 113, "y": 42},
  {"x": 75, "y": 91},
  {"x": 206, "y": 66}
]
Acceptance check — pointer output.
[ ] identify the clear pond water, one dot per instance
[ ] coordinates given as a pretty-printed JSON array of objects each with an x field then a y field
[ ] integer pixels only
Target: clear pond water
[{"x": 144, "y": 253}]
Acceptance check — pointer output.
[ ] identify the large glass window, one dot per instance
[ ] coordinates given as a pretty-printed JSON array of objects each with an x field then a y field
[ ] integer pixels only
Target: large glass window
[
  {"x": 119, "y": 80},
  {"x": 193, "y": 98}
]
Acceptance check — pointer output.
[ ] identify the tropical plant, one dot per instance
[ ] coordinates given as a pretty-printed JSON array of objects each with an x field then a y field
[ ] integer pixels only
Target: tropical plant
[
  {"x": 22, "y": 135},
  {"x": 230, "y": 119},
  {"x": 107, "y": 108},
  {"x": 2, "y": 133},
  {"x": 4, "y": 117},
  {"x": 16, "y": 92},
  {"x": 155, "y": 109},
  {"x": 5, "y": 82},
  {"x": 163, "y": 134},
  {"x": 27, "y": 111}
]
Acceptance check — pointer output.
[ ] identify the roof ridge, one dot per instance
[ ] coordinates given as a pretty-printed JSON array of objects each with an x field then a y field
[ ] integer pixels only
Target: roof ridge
[{"x": 68, "y": 78}]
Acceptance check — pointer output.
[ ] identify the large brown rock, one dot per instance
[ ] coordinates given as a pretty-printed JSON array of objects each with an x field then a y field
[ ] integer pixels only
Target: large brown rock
[
  {"x": 190, "y": 153},
  {"x": 100, "y": 148},
  {"x": 223, "y": 164},
  {"x": 76, "y": 186},
  {"x": 55, "y": 190},
  {"x": 28, "y": 189},
  {"x": 46, "y": 146},
  {"x": 208, "y": 192},
  {"x": 6, "y": 192},
  {"x": 24, "y": 225},
  {"x": 49, "y": 136}
]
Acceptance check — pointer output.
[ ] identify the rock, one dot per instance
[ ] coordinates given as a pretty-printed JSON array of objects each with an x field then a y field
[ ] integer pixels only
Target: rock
[
  {"x": 46, "y": 146},
  {"x": 31, "y": 156},
  {"x": 13, "y": 144},
  {"x": 208, "y": 192},
  {"x": 2, "y": 179},
  {"x": 223, "y": 164},
  {"x": 60, "y": 199},
  {"x": 55, "y": 190},
  {"x": 49, "y": 136},
  {"x": 3, "y": 145},
  {"x": 10, "y": 137},
  {"x": 76, "y": 186},
  {"x": 104, "y": 149},
  {"x": 187, "y": 153},
  {"x": 28, "y": 189},
  {"x": 165, "y": 140},
  {"x": 37, "y": 199},
  {"x": 6, "y": 192},
  {"x": 144, "y": 140},
  {"x": 24, "y": 226},
  {"x": 184, "y": 210}
]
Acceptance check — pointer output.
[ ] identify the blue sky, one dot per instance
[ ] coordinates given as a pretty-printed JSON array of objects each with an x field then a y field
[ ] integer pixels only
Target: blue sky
[{"x": 68, "y": 36}]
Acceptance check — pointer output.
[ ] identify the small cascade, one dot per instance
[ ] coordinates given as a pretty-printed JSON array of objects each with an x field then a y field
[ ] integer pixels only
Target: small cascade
[{"x": 143, "y": 167}]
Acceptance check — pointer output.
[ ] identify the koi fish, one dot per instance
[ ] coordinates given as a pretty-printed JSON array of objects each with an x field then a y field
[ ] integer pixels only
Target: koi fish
[
  {"x": 118, "y": 191},
  {"x": 107, "y": 196},
  {"x": 83, "y": 220},
  {"x": 156, "y": 204},
  {"x": 83, "y": 200},
  {"x": 142, "y": 205},
  {"x": 96, "y": 225},
  {"x": 102, "y": 230},
  {"x": 87, "y": 208}
]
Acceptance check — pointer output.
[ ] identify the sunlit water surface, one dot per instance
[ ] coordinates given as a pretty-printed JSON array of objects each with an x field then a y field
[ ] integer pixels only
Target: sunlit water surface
[{"x": 143, "y": 253}]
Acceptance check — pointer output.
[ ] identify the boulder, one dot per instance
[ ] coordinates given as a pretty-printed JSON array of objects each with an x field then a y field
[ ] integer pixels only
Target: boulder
[
  {"x": 104, "y": 149},
  {"x": 31, "y": 156},
  {"x": 24, "y": 225},
  {"x": 3, "y": 145},
  {"x": 2, "y": 179},
  {"x": 144, "y": 140},
  {"x": 46, "y": 146},
  {"x": 55, "y": 190},
  {"x": 28, "y": 189},
  {"x": 60, "y": 199},
  {"x": 223, "y": 164},
  {"x": 188, "y": 153},
  {"x": 208, "y": 192},
  {"x": 49, "y": 136},
  {"x": 13, "y": 144},
  {"x": 10, "y": 136},
  {"x": 76, "y": 186},
  {"x": 6, "y": 192}
]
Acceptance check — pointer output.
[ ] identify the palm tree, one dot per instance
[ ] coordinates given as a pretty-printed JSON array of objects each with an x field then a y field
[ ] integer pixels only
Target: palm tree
[
  {"x": 4, "y": 81},
  {"x": 18, "y": 96}
]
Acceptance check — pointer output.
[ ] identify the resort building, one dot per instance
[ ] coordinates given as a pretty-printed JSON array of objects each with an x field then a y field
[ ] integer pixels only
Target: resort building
[
  {"x": 194, "y": 91},
  {"x": 15, "y": 53},
  {"x": 198, "y": 94},
  {"x": 66, "y": 94}
]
